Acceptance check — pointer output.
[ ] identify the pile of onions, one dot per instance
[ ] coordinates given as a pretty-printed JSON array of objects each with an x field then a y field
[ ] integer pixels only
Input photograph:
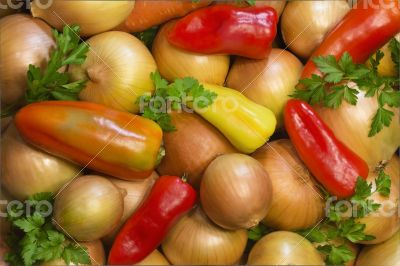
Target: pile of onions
[
  {"x": 176, "y": 63},
  {"x": 195, "y": 240},
  {"x": 92, "y": 16},
  {"x": 28, "y": 41},
  {"x": 155, "y": 258},
  {"x": 386, "y": 221},
  {"x": 192, "y": 147},
  {"x": 351, "y": 124},
  {"x": 135, "y": 193},
  {"x": 235, "y": 191},
  {"x": 296, "y": 200},
  {"x": 284, "y": 248},
  {"x": 117, "y": 68},
  {"x": 26, "y": 170},
  {"x": 89, "y": 208},
  {"x": 304, "y": 24},
  {"x": 384, "y": 254},
  {"x": 95, "y": 251},
  {"x": 268, "y": 82}
]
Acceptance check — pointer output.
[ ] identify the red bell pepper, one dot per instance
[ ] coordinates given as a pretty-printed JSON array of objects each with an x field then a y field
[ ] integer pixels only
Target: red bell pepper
[
  {"x": 169, "y": 199},
  {"x": 106, "y": 140},
  {"x": 226, "y": 29},
  {"x": 364, "y": 29},
  {"x": 331, "y": 162}
]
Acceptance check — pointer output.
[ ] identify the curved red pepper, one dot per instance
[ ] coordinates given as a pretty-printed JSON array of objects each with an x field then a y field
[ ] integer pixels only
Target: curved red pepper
[
  {"x": 366, "y": 28},
  {"x": 226, "y": 29},
  {"x": 332, "y": 163},
  {"x": 169, "y": 199}
]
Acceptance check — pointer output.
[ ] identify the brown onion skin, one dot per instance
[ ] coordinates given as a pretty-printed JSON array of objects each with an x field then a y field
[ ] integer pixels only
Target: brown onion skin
[
  {"x": 235, "y": 191},
  {"x": 155, "y": 258},
  {"x": 284, "y": 248},
  {"x": 297, "y": 202},
  {"x": 191, "y": 147},
  {"x": 195, "y": 240},
  {"x": 24, "y": 40}
]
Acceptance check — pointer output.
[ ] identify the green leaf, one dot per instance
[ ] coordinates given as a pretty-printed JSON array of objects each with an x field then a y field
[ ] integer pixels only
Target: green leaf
[
  {"x": 336, "y": 255},
  {"x": 375, "y": 60},
  {"x": 390, "y": 98},
  {"x": 350, "y": 95},
  {"x": 383, "y": 117},
  {"x": 334, "y": 98},
  {"x": 42, "y": 196},
  {"x": 363, "y": 190},
  {"x": 257, "y": 232},
  {"x": 147, "y": 36},
  {"x": 29, "y": 223},
  {"x": 394, "y": 46},
  {"x": 353, "y": 231},
  {"x": 75, "y": 254},
  {"x": 329, "y": 67},
  {"x": 383, "y": 184},
  {"x": 314, "y": 235}
]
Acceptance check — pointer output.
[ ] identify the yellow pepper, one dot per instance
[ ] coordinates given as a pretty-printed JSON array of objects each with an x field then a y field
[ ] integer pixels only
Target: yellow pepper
[{"x": 244, "y": 123}]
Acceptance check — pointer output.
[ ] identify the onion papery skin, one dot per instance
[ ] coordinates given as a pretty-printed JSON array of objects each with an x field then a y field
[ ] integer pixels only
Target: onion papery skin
[
  {"x": 297, "y": 202},
  {"x": 195, "y": 240},
  {"x": 155, "y": 258},
  {"x": 192, "y": 147},
  {"x": 26, "y": 170},
  {"x": 284, "y": 248},
  {"x": 351, "y": 125},
  {"x": 24, "y": 41},
  {"x": 176, "y": 63},
  {"x": 93, "y": 17},
  {"x": 304, "y": 24},
  {"x": 89, "y": 208},
  {"x": 117, "y": 68},
  {"x": 268, "y": 82},
  {"x": 236, "y": 191}
]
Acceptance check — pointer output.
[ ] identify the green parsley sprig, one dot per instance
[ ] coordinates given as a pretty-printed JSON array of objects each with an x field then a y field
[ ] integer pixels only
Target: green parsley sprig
[
  {"x": 335, "y": 86},
  {"x": 147, "y": 36},
  {"x": 168, "y": 97},
  {"x": 34, "y": 238},
  {"x": 394, "y": 46},
  {"x": 257, "y": 232}
]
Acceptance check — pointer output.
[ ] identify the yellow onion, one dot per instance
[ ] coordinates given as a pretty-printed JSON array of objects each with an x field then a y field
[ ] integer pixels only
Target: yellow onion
[
  {"x": 135, "y": 193},
  {"x": 296, "y": 199},
  {"x": 284, "y": 248},
  {"x": 235, "y": 191},
  {"x": 192, "y": 147},
  {"x": 8, "y": 7},
  {"x": 5, "y": 122},
  {"x": 92, "y": 16},
  {"x": 155, "y": 258},
  {"x": 278, "y": 5},
  {"x": 26, "y": 170},
  {"x": 89, "y": 208},
  {"x": 95, "y": 251},
  {"x": 24, "y": 40},
  {"x": 304, "y": 24},
  {"x": 195, "y": 240},
  {"x": 351, "y": 125},
  {"x": 117, "y": 68},
  {"x": 268, "y": 82},
  {"x": 386, "y": 221},
  {"x": 383, "y": 254},
  {"x": 176, "y": 63}
]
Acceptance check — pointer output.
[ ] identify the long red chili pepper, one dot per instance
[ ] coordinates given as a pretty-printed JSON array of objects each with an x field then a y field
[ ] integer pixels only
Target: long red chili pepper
[
  {"x": 169, "y": 199},
  {"x": 332, "y": 163},
  {"x": 366, "y": 28},
  {"x": 226, "y": 29}
]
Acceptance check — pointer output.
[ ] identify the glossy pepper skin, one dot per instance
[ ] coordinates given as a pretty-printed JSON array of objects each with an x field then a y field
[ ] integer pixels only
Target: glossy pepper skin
[
  {"x": 169, "y": 199},
  {"x": 332, "y": 163},
  {"x": 103, "y": 139},
  {"x": 226, "y": 29},
  {"x": 364, "y": 29}
]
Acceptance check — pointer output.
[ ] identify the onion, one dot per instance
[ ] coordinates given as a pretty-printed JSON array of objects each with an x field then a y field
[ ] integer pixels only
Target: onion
[
  {"x": 195, "y": 240},
  {"x": 278, "y": 5},
  {"x": 155, "y": 258},
  {"x": 235, "y": 191},
  {"x": 351, "y": 125},
  {"x": 95, "y": 251},
  {"x": 92, "y": 16},
  {"x": 268, "y": 82},
  {"x": 386, "y": 221},
  {"x": 5, "y": 122},
  {"x": 384, "y": 254},
  {"x": 176, "y": 63},
  {"x": 192, "y": 147},
  {"x": 89, "y": 208},
  {"x": 284, "y": 248},
  {"x": 26, "y": 170},
  {"x": 135, "y": 193},
  {"x": 296, "y": 200},
  {"x": 118, "y": 68},
  {"x": 304, "y": 24},
  {"x": 24, "y": 40}
]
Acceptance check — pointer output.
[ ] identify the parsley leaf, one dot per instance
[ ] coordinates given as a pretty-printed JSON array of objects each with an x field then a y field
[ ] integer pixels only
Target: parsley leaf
[
  {"x": 147, "y": 36},
  {"x": 394, "y": 46},
  {"x": 383, "y": 117},
  {"x": 76, "y": 254},
  {"x": 336, "y": 255},
  {"x": 353, "y": 231},
  {"x": 257, "y": 232},
  {"x": 314, "y": 235},
  {"x": 383, "y": 183},
  {"x": 169, "y": 97},
  {"x": 363, "y": 190}
]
